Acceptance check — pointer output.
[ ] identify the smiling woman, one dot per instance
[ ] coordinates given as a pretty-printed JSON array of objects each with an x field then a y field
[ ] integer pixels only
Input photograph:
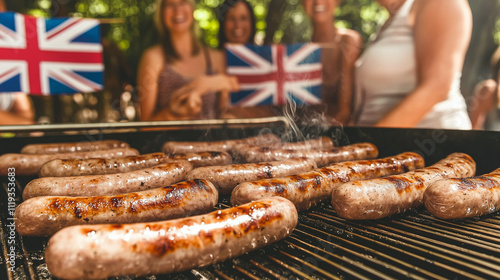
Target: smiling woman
[
  {"x": 236, "y": 23},
  {"x": 180, "y": 78}
]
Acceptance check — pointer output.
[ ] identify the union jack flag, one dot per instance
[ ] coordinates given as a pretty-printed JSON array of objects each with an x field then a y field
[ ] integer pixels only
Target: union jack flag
[
  {"x": 49, "y": 56},
  {"x": 275, "y": 74}
]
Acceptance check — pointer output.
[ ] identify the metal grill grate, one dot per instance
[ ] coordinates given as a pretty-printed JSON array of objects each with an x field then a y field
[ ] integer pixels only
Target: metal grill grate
[{"x": 414, "y": 245}]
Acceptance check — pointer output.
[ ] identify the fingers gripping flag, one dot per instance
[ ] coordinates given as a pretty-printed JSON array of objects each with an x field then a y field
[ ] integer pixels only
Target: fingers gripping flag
[
  {"x": 276, "y": 74},
  {"x": 49, "y": 56}
]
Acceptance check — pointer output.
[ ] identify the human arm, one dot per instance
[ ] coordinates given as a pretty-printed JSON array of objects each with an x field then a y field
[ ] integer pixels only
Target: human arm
[
  {"x": 483, "y": 101},
  {"x": 351, "y": 48},
  {"x": 149, "y": 70},
  {"x": 185, "y": 102},
  {"x": 442, "y": 31},
  {"x": 21, "y": 111}
]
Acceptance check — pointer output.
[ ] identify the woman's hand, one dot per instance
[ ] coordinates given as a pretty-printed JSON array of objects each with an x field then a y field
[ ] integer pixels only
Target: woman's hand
[
  {"x": 215, "y": 83},
  {"x": 187, "y": 101}
]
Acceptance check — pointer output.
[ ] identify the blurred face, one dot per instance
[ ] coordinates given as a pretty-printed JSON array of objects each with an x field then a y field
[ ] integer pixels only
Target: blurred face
[
  {"x": 178, "y": 15},
  {"x": 238, "y": 24},
  {"x": 320, "y": 10}
]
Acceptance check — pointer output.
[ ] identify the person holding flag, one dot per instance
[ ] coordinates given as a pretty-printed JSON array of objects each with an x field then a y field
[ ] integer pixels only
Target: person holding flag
[
  {"x": 180, "y": 78},
  {"x": 237, "y": 25}
]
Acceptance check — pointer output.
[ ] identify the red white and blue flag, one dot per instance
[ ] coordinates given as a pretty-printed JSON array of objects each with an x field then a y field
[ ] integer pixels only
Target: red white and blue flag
[
  {"x": 50, "y": 56},
  {"x": 275, "y": 74}
]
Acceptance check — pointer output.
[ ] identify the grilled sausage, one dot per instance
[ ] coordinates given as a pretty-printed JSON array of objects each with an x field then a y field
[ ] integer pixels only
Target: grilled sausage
[
  {"x": 321, "y": 143},
  {"x": 322, "y": 158},
  {"x": 102, "y": 251},
  {"x": 204, "y": 158},
  {"x": 464, "y": 198},
  {"x": 240, "y": 151},
  {"x": 45, "y": 215},
  {"x": 382, "y": 197},
  {"x": 98, "y": 166},
  {"x": 308, "y": 189},
  {"x": 30, "y": 164},
  {"x": 72, "y": 147},
  {"x": 225, "y": 178},
  {"x": 173, "y": 147},
  {"x": 109, "y": 184}
]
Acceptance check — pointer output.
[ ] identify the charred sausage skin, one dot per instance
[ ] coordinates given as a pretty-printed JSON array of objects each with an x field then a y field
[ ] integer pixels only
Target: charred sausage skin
[
  {"x": 102, "y": 251},
  {"x": 45, "y": 215},
  {"x": 225, "y": 178},
  {"x": 72, "y": 147},
  {"x": 109, "y": 184},
  {"x": 99, "y": 166},
  {"x": 464, "y": 197},
  {"x": 308, "y": 189},
  {"x": 383, "y": 197},
  {"x": 30, "y": 164}
]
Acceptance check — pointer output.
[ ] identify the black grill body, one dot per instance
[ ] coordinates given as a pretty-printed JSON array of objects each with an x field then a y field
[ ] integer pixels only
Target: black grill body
[{"x": 412, "y": 245}]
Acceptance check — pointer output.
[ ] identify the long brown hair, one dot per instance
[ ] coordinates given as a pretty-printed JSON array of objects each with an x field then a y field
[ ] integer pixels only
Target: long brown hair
[
  {"x": 221, "y": 15},
  {"x": 165, "y": 39}
]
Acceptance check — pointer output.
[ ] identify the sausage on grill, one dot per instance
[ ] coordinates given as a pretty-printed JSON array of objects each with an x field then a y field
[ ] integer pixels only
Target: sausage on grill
[
  {"x": 30, "y": 164},
  {"x": 102, "y": 251},
  {"x": 72, "y": 147},
  {"x": 225, "y": 178},
  {"x": 109, "y": 184},
  {"x": 382, "y": 197},
  {"x": 321, "y": 157},
  {"x": 204, "y": 158},
  {"x": 308, "y": 189},
  {"x": 321, "y": 143},
  {"x": 173, "y": 147},
  {"x": 99, "y": 166},
  {"x": 464, "y": 198},
  {"x": 45, "y": 215}
]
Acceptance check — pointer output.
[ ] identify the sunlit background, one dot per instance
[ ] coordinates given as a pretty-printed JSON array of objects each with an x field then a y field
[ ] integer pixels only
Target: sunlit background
[{"x": 128, "y": 30}]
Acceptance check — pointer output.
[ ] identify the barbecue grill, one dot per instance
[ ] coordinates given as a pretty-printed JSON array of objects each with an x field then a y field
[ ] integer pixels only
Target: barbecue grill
[{"x": 412, "y": 245}]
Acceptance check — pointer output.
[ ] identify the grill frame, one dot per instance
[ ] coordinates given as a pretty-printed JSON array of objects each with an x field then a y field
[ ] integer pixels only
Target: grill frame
[{"x": 412, "y": 245}]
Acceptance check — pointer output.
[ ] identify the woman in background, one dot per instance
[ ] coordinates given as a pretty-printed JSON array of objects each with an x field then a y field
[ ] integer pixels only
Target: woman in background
[
  {"x": 237, "y": 26},
  {"x": 340, "y": 50},
  {"x": 409, "y": 76},
  {"x": 486, "y": 95},
  {"x": 236, "y": 23},
  {"x": 15, "y": 109},
  {"x": 180, "y": 78}
]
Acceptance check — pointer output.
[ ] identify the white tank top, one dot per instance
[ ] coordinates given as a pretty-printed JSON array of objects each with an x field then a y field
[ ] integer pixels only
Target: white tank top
[
  {"x": 6, "y": 101},
  {"x": 386, "y": 73}
]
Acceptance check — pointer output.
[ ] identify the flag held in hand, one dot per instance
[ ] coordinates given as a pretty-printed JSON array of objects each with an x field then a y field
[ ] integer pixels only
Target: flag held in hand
[{"x": 275, "y": 74}]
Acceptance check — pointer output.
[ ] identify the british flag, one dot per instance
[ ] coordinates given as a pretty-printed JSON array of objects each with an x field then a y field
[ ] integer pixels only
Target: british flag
[
  {"x": 275, "y": 74},
  {"x": 49, "y": 56}
]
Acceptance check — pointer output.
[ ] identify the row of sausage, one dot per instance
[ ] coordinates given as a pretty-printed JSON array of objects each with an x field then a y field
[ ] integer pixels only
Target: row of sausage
[{"x": 257, "y": 172}]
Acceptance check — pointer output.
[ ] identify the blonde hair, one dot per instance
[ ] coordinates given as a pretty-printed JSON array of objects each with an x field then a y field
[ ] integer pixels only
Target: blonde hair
[{"x": 165, "y": 40}]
